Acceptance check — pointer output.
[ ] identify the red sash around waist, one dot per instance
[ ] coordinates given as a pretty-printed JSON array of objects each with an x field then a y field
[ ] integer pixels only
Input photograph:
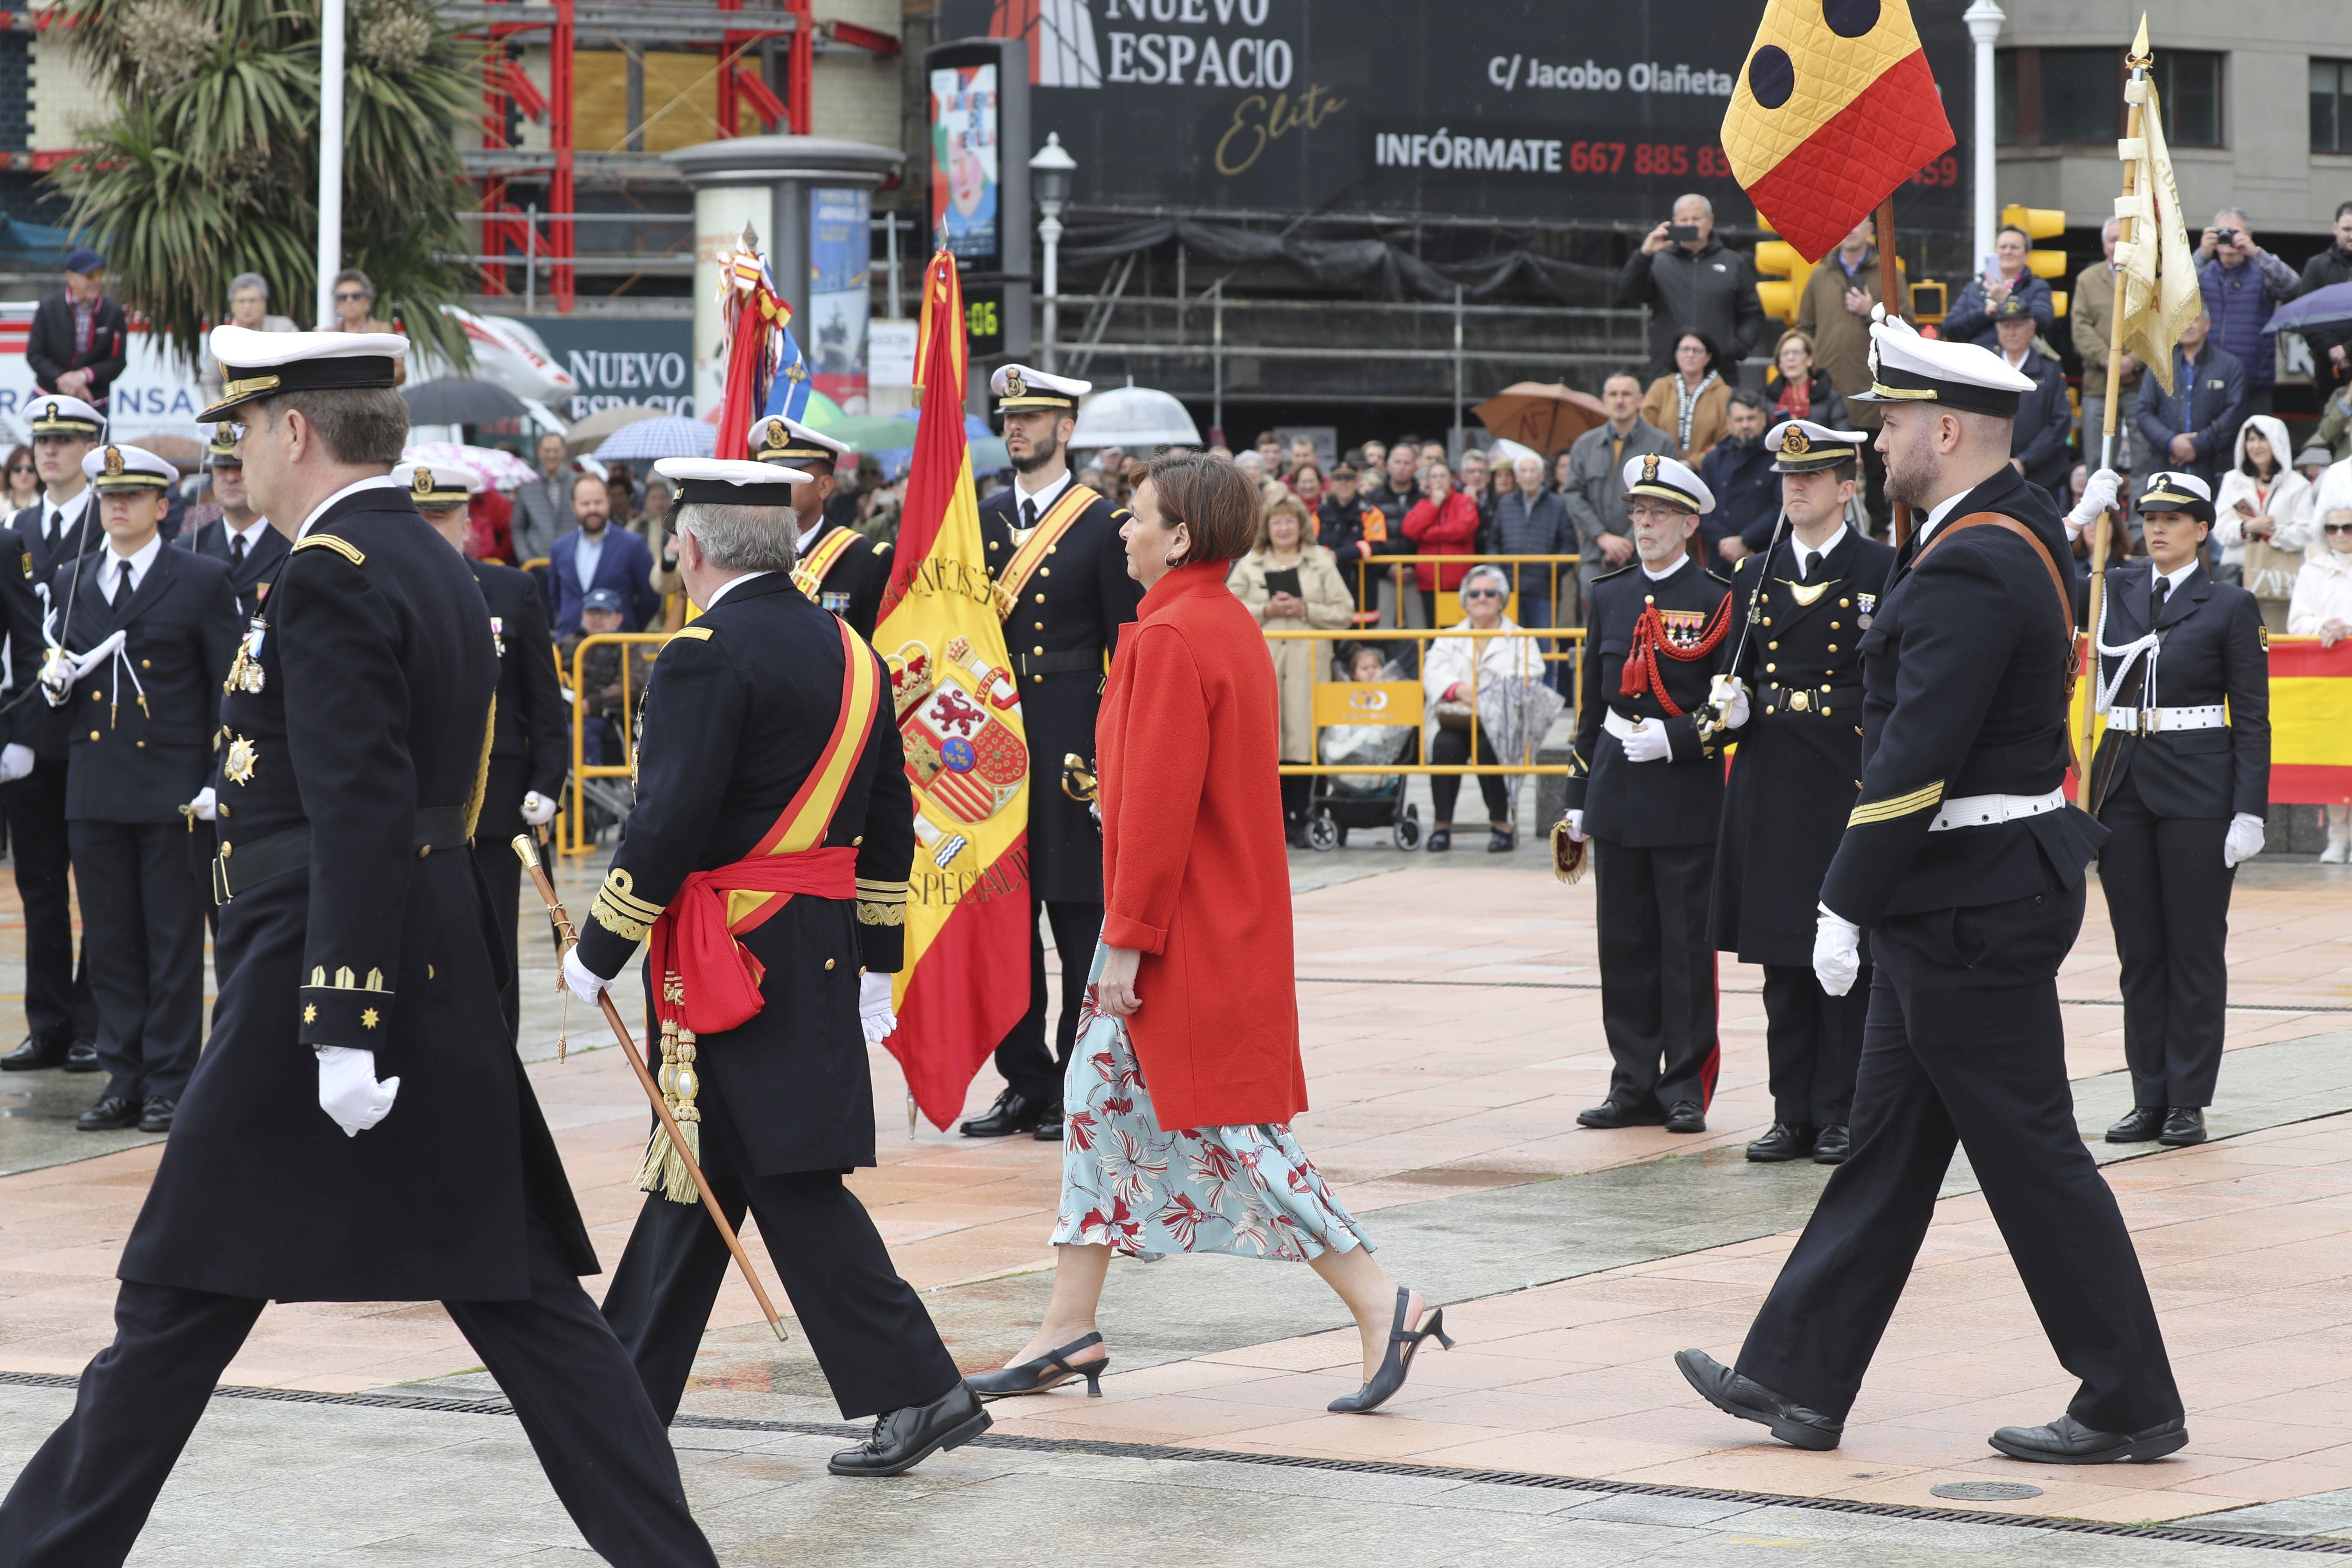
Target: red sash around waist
[{"x": 692, "y": 940}]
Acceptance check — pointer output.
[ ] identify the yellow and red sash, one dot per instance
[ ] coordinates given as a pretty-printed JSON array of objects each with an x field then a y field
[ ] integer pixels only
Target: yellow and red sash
[
  {"x": 810, "y": 574},
  {"x": 695, "y": 935},
  {"x": 1057, "y": 520}
]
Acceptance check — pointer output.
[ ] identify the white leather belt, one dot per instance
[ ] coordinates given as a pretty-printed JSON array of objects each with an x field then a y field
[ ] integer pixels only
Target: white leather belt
[
  {"x": 1617, "y": 724},
  {"x": 1984, "y": 810},
  {"x": 2155, "y": 721}
]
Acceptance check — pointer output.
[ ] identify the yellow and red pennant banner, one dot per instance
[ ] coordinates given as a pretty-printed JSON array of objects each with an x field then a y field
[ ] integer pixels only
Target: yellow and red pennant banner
[
  {"x": 1834, "y": 108},
  {"x": 966, "y": 981}
]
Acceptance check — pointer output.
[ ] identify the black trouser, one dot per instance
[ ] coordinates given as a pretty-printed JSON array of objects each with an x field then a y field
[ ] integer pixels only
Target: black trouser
[
  {"x": 1813, "y": 1040},
  {"x": 145, "y": 932},
  {"x": 494, "y": 835},
  {"x": 1297, "y": 789},
  {"x": 2168, "y": 900},
  {"x": 1451, "y": 748},
  {"x": 58, "y": 1003},
  {"x": 1965, "y": 1044},
  {"x": 867, "y": 1326},
  {"x": 82, "y": 1500},
  {"x": 1657, "y": 972},
  {"x": 1020, "y": 1055}
]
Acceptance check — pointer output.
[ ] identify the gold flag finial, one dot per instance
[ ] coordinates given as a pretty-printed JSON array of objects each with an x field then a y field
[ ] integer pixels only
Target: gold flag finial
[{"x": 2140, "y": 44}]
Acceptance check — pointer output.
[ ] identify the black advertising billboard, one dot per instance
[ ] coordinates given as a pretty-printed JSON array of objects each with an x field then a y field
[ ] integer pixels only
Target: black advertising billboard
[{"x": 1502, "y": 109}]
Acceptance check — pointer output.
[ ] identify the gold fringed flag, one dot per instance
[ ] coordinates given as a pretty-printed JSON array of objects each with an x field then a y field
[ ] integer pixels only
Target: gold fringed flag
[
  {"x": 966, "y": 979},
  {"x": 2156, "y": 292},
  {"x": 1834, "y": 109}
]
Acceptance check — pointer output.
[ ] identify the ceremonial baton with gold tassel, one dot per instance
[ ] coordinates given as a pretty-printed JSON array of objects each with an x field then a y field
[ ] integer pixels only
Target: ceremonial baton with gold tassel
[{"x": 528, "y": 854}]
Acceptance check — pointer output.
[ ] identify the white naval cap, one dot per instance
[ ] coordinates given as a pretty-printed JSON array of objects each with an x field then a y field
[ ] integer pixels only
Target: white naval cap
[
  {"x": 262, "y": 365},
  {"x": 2169, "y": 489},
  {"x": 1663, "y": 478},
  {"x": 1799, "y": 446},
  {"x": 778, "y": 439},
  {"x": 436, "y": 487},
  {"x": 1017, "y": 389},
  {"x": 1908, "y": 368},
  {"x": 128, "y": 468},
  {"x": 53, "y": 414},
  {"x": 729, "y": 481}
]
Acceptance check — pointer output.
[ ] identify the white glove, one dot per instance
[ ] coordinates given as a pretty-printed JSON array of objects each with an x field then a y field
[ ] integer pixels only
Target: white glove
[
  {"x": 1648, "y": 743},
  {"x": 202, "y": 805},
  {"x": 57, "y": 677},
  {"x": 1735, "y": 711},
  {"x": 1837, "y": 952},
  {"x": 2244, "y": 839},
  {"x": 538, "y": 810},
  {"x": 1576, "y": 825},
  {"x": 874, "y": 1014},
  {"x": 585, "y": 982},
  {"x": 348, "y": 1090},
  {"x": 2098, "y": 497},
  {"x": 15, "y": 762}
]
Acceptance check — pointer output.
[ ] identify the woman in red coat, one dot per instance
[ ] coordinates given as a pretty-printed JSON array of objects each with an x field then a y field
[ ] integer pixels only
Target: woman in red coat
[
  {"x": 1178, "y": 1096},
  {"x": 1443, "y": 522}
]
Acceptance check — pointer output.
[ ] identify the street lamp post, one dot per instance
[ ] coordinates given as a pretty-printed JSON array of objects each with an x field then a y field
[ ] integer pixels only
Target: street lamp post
[
  {"x": 1984, "y": 19},
  {"x": 1049, "y": 175}
]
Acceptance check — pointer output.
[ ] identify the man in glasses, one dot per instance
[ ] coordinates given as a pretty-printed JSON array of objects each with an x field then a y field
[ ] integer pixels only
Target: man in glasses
[{"x": 1648, "y": 792}]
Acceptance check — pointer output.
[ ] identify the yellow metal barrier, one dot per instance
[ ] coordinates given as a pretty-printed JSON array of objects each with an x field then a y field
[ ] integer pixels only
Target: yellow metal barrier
[
  {"x": 1399, "y": 703},
  {"x": 574, "y": 840},
  {"x": 1449, "y": 604}
]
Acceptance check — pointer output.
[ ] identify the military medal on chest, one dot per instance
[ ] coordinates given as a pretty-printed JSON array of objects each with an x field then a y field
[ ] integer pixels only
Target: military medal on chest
[
  {"x": 244, "y": 673},
  {"x": 498, "y": 635},
  {"x": 237, "y": 766}
]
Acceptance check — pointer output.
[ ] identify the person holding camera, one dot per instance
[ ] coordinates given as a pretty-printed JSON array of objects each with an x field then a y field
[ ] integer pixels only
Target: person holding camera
[
  {"x": 2242, "y": 284},
  {"x": 1692, "y": 284}
]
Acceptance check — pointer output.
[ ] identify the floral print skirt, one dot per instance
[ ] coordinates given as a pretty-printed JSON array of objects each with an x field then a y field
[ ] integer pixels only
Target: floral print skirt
[{"x": 1145, "y": 1192}]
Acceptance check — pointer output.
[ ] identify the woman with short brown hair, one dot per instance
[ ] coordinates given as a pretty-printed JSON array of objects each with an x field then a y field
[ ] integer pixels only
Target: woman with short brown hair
[{"x": 1176, "y": 1133}]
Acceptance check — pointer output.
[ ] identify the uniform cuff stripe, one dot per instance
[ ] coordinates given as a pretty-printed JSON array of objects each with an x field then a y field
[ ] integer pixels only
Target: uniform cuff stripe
[{"x": 1918, "y": 800}]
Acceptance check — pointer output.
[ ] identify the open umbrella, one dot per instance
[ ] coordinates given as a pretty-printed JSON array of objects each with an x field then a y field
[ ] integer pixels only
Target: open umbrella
[
  {"x": 2328, "y": 307},
  {"x": 460, "y": 400},
  {"x": 1545, "y": 415},
  {"x": 501, "y": 469},
  {"x": 870, "y": 432},
  {"x": 586, "y": 434},
  {"x": 671, "y": 436}
]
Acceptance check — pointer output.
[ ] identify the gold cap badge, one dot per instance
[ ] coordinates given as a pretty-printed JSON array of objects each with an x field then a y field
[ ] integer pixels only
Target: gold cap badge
[
  {"x": 52, "y": 413},
  {"x": 1013, "y": 385},
  {"x": 1795, "y": 442},
  {"x": 113, "y": 462},
  {"x": 1650, "y": 469},
  {"x": 420, "y": 483}
]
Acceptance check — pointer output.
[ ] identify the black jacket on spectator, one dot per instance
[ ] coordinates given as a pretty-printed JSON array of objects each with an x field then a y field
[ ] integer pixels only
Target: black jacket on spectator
[
  {"x": 2044, "y": 420},
  {"x": 1394, "y": 504},
  {"x": 2333, "y": 265},
  {"x": 49, "y": 348},
  {"x": 2207, "y": 402},
  {"x": 1341, "y": 529},
  {"x": 1747, "y": 495},
  {"x": 1536, "y": 525},
  {"x": 1711, "y": 293}
]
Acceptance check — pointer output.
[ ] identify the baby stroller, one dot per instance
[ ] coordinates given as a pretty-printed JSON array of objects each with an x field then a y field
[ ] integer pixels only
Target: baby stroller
[{"x": 1338, "y": 801}]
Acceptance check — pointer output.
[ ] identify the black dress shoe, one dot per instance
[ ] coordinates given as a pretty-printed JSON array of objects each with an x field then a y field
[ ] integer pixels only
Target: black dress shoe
[
  {"x": 1787, "y": 1140},
  {"x": 155, "y": 1116},
  {"x": 1441, "y": 840},
  {"x": 1502, "y": 840},
  {"x": 109, "y": 1115},
  {"x": 1833, "y": 1143},
  {"x": 33, "y": 1055},
  {"x": 2141, "y": 1126},
  {"x": 904, "y": 1438},
  {"x": 1617, "y": 1113},
  {"x": 2067, "y": 1441},
  {"x": 2183, "y": 1125},
  {"x": 1684, "y": 1116},
  {"x": 1049, "y": 1124},
  {"x": 1751, "y": 1401},
  {"x": 82, "y": 1057},
  {"x": 1013, "y": 1113}
]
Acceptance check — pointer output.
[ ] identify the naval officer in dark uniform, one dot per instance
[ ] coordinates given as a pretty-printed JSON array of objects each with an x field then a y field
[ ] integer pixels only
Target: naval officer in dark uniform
[
  {"x": 774, "y": 821},
  {"x": 530, "y": 751},
  {"x": 838, "y": 567},
  {"x": 137, "y": 676},
  {"x": 239, "y": 536},
  {"x": 1965, "y": 862},
  {"x": 1793, "y": 778},
  {"x": 60, "y": 1012},
  {"x": 1064, "y": 592},
  {"x": 2182, "y": 783},
  {"x": 1648, "y": 792},
  {"x": 358, "y": 1129}
]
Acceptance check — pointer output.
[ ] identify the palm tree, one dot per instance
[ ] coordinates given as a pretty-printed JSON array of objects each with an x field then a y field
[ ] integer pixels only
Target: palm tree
[{"x": 209, "y": 167}]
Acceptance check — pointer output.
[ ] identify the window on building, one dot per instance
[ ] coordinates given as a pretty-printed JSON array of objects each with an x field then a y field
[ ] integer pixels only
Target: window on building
[
  {"x": 2043, "y": 97},
  {"x": 2190, "y": 83},
  {"x": 2331, "y": 106}
]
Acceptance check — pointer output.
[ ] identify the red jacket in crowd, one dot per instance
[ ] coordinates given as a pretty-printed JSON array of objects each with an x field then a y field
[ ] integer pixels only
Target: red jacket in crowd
[{"x": 1450, "y": 529}]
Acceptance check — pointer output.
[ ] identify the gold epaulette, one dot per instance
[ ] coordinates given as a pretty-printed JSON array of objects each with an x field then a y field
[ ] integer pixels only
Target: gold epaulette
[
  {"x": 343, "y": 547},
  {"x": 692, "y": 634}
]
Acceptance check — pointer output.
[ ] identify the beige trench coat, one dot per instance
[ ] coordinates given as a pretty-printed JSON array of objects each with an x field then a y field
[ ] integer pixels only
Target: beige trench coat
[{"x": 1297, "y": 663}]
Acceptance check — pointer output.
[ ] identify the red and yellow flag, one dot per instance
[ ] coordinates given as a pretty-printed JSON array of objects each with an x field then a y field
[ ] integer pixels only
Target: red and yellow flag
[
  {"x": 966, "y": 981},
  {"x": 1834, "y": 109}
]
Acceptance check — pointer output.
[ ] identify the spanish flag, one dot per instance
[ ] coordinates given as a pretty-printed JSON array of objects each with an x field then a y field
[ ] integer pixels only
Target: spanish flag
[
  {"x": 1834, "y": 109},
  {"x": 966, "y": 979}
]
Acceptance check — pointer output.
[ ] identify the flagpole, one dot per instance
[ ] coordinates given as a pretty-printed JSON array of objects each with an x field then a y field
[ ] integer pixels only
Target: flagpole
[
  {"x": 2127, "y": 231},
  {"x": 1890, "y": 280}
]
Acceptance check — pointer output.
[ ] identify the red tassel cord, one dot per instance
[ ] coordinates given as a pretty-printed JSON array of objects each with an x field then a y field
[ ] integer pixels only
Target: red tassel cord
[{"x": 1650, "y": 640}]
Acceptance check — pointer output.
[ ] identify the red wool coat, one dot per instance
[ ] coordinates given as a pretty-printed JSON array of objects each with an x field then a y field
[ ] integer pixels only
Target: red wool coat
[
  {"x": 1195, "y": 872},
  {"x": 1449, "y": 529}
]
